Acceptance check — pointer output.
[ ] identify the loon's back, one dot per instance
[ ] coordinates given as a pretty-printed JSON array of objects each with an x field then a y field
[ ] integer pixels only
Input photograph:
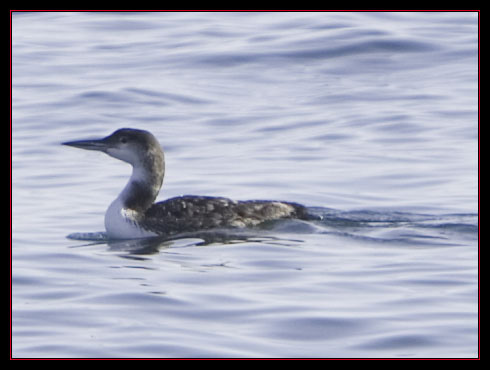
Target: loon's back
[{"x": 192, "y": 213}]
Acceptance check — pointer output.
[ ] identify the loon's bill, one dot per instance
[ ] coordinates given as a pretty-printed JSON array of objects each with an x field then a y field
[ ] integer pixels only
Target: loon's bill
[{"x": 135, "y": 215}]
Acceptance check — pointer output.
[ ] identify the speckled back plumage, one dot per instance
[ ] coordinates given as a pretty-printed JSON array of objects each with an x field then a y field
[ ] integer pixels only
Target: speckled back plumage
[{"x": 192, "y": 213}]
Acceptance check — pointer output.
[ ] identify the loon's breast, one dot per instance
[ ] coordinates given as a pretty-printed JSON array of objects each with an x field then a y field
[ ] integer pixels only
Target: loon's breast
[{"x": 124, "y": 223}]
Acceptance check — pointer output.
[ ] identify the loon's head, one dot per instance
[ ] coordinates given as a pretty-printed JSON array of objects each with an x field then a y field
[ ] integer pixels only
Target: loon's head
[{"x": 136, "y": 147}]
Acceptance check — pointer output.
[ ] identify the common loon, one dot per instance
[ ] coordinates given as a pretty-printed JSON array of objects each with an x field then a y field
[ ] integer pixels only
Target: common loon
[{"x": 134, "y": 215}]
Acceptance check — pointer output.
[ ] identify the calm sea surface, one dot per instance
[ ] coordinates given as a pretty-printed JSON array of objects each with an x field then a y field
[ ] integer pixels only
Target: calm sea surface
[{"x": 370, "y": 119}]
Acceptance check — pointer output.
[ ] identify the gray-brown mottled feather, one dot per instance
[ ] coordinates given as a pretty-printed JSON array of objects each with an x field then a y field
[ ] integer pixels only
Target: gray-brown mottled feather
[{"x": 190, "y": 213}]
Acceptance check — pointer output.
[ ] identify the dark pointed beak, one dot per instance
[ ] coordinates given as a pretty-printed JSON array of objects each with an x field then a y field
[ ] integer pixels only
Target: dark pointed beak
[{"x": 100, "y": 144}]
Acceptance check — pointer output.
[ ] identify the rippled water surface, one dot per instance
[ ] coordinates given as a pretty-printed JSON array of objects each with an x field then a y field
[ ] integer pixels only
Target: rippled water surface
[{"x": 370, "y": 119}]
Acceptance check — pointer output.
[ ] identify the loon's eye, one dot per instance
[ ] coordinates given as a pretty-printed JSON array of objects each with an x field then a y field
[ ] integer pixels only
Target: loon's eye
[{"x": 123, "y": 140}]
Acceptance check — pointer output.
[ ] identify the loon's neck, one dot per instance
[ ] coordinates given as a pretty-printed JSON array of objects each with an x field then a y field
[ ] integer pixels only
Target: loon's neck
[
  {"x": 141, "y": 191},
  {"x": 124, "y": 215},
  {"x": 145, "y": 182}
]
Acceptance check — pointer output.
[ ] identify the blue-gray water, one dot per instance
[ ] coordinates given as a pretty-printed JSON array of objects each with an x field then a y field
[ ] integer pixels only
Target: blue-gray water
[{"x": 370, "y": 118}]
